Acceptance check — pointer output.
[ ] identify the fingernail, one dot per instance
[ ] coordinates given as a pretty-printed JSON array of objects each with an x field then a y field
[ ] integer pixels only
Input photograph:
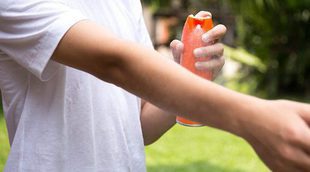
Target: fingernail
[
  {"x": 205, "y": 38},
  {"x": 179, "y": 47},
  {"x": 198, "y": 52}
]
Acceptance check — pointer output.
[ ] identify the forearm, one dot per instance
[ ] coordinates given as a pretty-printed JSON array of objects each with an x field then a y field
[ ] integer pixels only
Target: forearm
[
  {"x": 155, "y": 122},
  {"x": 174, "y": 89},
  {"x": 146, "y": 74},
  {"x": 275, "y": 129}
]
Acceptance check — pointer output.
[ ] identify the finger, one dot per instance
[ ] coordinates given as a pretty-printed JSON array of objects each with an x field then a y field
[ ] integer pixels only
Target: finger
[
  {"x": 298, "y": 133},
  {"x": 214, "y": 34},
  {"x": 210, "y": 51},
  {"x": 282, "y": 166},
  {"x": 173, "y": 46},
  {"x": 177, "y": 49},
  {"x": 216, "y": 71},
  {"x": 302, "y": 139},
  {"x": 303, "y": 163},
  {"x": 305, "y": 112},
  {"x": 303, "y": 109},
  {"x": 298, "y": 158},
  {"x": 212, "y": 65},
  {"x": 266, "y": 155},
  {"x": 283, "y": 160},
  {"x": 203, "y": 14}
]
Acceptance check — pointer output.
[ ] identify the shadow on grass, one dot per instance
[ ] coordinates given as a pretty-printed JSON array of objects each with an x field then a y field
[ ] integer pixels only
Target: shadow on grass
[{"x": 199, "y": 166}]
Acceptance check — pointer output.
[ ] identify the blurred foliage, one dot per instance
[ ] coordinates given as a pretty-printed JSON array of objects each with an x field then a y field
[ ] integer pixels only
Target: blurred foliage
[
  {"x": 241, "y": 80},
  {"x": 1, "y": 108},
  {"x": 277, "y": 32},
  {"x": 157, "y": 3},
  {"x": 244, "y": 57}
]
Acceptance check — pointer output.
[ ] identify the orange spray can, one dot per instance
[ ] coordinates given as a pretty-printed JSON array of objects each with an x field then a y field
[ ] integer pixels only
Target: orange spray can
[{"x": 193, "y": 30}]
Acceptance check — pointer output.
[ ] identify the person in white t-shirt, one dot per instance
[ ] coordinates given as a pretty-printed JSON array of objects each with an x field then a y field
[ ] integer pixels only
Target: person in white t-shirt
[{"x": 72, "y": 72}]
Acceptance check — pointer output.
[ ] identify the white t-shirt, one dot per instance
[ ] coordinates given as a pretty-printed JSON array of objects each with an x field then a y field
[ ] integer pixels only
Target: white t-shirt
[{"x": 60, "y": 118}]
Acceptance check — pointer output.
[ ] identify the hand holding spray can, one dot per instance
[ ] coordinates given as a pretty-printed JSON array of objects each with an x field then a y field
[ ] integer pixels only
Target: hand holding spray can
[{"x": 193, "y": 30}]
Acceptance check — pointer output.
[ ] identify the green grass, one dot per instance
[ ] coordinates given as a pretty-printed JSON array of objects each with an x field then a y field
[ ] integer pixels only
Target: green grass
[
  {"x": 4, "y": 142},
  {"x": 185, "y": 149}
]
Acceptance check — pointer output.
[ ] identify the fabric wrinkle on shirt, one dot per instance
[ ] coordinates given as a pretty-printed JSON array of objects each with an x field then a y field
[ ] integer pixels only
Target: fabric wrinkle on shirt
[{"x": 60, "y": 118}]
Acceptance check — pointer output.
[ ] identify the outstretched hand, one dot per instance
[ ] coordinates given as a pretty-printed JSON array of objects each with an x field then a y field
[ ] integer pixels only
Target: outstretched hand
[
  {"x": 281, "y": 135},
  {"x": 212, "y": 48},
  {"x": 277, "y": 130}
]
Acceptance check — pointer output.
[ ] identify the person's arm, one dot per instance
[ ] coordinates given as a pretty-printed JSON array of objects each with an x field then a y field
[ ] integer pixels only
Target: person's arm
[
  {"x": 155, "y": 121},
  {"x": 279, "y": 128}
]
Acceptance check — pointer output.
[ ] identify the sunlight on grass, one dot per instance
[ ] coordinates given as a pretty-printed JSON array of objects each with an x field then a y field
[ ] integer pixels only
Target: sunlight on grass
[{"x": 201, "y": 149}]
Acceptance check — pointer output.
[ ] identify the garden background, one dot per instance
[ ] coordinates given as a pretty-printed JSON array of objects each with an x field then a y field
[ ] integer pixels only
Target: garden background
[{"x": 267, "y": 55}]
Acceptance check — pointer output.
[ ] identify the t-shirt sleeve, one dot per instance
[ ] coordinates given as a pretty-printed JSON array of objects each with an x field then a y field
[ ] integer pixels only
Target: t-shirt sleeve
[{"x": 30, "y": 31}]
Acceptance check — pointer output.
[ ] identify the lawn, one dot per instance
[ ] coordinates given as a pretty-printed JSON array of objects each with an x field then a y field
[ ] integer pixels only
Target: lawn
[
  {"x": 201, "y": 149},
  {"x": 4, "y": 142},
  {"x": 185, "y": 149}
]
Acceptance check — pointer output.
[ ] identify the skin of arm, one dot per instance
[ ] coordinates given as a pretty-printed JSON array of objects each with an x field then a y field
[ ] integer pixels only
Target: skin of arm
[
  {"x": 277, "y": 130},
  {"x": 154, "y": 122},
  {"x": 154, "y": 117},
  {"x": 161, "y": 81}
]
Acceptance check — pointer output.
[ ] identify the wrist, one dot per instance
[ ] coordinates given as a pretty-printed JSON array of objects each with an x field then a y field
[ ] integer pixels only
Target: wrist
[
  {"x": 241, "y": 114},
  {"x": 249, "y": 117}
]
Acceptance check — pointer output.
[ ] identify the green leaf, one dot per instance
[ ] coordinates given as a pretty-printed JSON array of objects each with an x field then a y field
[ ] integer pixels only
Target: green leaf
[{"x": 244, "y": 57}]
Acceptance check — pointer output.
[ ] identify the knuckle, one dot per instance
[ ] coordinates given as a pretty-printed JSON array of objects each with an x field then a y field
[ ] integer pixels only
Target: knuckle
[
  {"x": 205, "y": 50},
  {"x": 222, "y": 51},
  {"x": 217, "y": 65},
  {"x": 218, "y": 62},
  {"x": 222, "y": 62},
  {"x": 286, "y": 153},
  {"x": 203, "y": 65},
  {"x": 292, "y": 134},
  {"x": 221, "y": 47},
  {"x": 213, "y": 65}
]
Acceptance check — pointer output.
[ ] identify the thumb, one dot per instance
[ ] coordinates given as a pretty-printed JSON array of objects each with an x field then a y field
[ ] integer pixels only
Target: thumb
[
  {"x": 203, "y": 14},
  {"x": 177, "y": 49}
]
